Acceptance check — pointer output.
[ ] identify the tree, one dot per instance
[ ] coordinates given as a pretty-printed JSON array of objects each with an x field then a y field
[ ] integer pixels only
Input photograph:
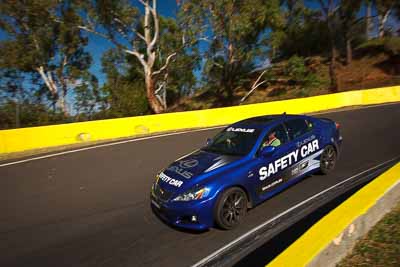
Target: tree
[
  {"x": 368, "y": 19},
  {"x": 123, "y": 92},
  {"x": 87, "y": 98},
  {"x": 384, "y": 8},
  {"x": 348, "y": 16},
  {"x": 302, "y": 33},
  {"x": 179, "y": 78},
  {"x": 235, "y": 33},
  {"x": 20, "y": 106},
  {"x": 136, "y": 34},
  {"x": 329, "y": 9},
  {"x": 11, "y": 95},
  {"x": 36, "y": 44}
]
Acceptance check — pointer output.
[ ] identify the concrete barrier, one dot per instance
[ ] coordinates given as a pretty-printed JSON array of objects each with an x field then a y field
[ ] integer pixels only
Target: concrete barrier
[
  {"x": 333, "y": 237},
  {"x": 18, "y": 140}
]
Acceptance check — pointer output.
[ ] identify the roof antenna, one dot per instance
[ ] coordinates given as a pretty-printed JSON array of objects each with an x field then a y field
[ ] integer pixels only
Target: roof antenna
[{"x": 284, "y": 113}]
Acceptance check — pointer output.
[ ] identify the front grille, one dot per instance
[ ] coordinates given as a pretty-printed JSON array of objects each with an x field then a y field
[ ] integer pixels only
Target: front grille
[{"x": 161, "y": 194}]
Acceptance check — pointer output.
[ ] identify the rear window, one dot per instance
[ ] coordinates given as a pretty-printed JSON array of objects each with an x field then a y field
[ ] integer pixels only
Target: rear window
[{"x": 298, "y": 127}]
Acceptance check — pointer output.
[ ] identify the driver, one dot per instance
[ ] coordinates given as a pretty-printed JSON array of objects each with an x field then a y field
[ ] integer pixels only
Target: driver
[{"x": 272, "y": 140}]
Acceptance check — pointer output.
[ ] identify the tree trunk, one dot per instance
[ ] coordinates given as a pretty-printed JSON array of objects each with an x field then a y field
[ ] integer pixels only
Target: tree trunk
[
  {"x": 155, "y": 105},
  {"x": 332, "y": 70},
  {"x": 368, "y": 21},
  {"x": 349, "y": 50},
  {"x": 332, "y": 66},
  {"x": 58, "y": 98},
  {"x": 62, "y": 104},
  {"x": 382, "y": 22}
]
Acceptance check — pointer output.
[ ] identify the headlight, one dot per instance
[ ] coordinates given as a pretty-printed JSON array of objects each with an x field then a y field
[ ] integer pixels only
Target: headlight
[
  {"x": 193, "y": 194},
  {"x": 155, "y": 182}
]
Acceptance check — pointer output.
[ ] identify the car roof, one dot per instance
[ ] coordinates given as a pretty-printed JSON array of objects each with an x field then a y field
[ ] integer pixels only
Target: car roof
[{"x": 262, "y": 122}]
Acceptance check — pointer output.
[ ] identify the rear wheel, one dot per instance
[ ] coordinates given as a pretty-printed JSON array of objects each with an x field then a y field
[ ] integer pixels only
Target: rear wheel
[
  {"x": 328, "y": 159},
  {"x": 231, "y": 208}
]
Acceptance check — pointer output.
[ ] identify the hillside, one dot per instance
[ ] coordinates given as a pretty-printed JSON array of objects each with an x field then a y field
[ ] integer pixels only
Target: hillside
[{"x": 366, "y": 71}]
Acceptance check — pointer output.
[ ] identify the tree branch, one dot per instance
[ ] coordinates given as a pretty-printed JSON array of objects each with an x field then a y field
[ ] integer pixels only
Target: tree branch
[
  {"x": 139, "y": 56},
  {"x": 156, "y": 25},
  {"x": 169, "y": 58},
  {"x": 256, "y": 84}
]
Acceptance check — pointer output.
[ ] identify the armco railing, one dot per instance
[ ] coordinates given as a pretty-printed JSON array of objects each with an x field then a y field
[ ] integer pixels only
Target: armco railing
[{"x": 74, "y": 133}]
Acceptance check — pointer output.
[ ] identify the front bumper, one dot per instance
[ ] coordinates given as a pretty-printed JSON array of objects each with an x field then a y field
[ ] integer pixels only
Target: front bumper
[{"x": 180, "y": 213}]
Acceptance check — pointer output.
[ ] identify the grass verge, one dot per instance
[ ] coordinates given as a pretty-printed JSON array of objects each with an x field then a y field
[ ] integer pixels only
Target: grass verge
[{"x": 380, "y": 247}]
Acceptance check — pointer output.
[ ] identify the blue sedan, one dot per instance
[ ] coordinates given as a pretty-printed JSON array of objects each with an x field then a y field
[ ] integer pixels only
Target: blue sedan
[{"x": 242, "y": 166}]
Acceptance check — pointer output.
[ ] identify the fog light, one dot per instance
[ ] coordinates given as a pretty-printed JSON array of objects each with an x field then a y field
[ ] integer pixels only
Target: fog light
[{"x": 194, "y": 218}]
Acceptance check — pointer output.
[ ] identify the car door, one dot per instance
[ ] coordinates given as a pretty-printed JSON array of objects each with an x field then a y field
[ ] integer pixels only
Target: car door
[
  {"x": 305, "y": 142},
  {"x": 267, "y": 175}
]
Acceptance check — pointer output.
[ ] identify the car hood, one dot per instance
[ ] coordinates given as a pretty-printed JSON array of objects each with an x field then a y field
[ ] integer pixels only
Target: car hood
[{"x": 192, "y": 169}]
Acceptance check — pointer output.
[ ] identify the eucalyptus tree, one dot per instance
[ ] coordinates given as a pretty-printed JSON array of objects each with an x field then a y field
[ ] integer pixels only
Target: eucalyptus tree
[
  {"x": 329, "y": 9},
  {"x": 384, "y": 9},
  {"x": 135, "y": 33},
  {"x": 368, "y": 18},
  {"x": 348, "y": 17},
  {"x": 35, "y": 43},
  {"x": 232, "y": 35}
]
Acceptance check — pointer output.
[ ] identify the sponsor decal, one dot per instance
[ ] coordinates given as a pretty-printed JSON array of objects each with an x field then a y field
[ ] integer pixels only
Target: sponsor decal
[
  {"x": 272, "y": 184},
  {"x": 242, "y": 130},
  {"x": 305, "y": 141},
  {"x": 182, "y": 172},
  {"x": 169, "y": 180},
  {"x": 189, "y": 163},
  {"x": 289, "y": 159},
  {"x": 295, "y": 171},
  {"x": 303, "y": 165}
]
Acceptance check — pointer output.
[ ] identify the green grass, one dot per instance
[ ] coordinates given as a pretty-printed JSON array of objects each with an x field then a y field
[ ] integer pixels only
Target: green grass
[{"x": 380, "y": 247}]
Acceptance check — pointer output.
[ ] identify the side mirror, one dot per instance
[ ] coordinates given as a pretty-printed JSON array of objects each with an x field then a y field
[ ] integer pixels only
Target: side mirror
[
  {"x": 209, "y": 141},
  {"x": 267, "y": 151}
]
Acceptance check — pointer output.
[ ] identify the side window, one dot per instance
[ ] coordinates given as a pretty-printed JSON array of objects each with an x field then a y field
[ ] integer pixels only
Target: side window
[
  {"x": 298, "y": 127},
  {"x": 276, "y": 137},
  {"x": 310, "y": 125}
]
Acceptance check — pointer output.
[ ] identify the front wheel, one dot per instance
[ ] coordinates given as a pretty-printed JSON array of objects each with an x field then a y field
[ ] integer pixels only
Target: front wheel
[
  {"x": 231, "y": 208},
  {"x": 328, "y": 159}
]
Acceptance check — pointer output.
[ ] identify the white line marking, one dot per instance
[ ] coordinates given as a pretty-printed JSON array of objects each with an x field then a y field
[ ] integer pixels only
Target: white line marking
[
  {"x": 105, "y": 145},
  {"x": 213, "y": 255},
  {"x": 161, "y": 135}
]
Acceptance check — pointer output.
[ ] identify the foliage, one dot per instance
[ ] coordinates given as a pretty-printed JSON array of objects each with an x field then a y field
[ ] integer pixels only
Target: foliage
[
  {"x": 27, "y": 114},
  {"x": 216, "y": 47},
  {"x": 389, "y": 45},
  {"x": 302, "y": 33},
  {"x": 38, "y": 44},
  {"x": 234, "y": 32},
  {"x": 297, "y": 70},
  {"x": 123, "y": 94}
]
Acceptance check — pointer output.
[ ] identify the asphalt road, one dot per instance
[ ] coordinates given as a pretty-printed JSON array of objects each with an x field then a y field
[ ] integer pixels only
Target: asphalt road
[{"x": 91, "y": 208}]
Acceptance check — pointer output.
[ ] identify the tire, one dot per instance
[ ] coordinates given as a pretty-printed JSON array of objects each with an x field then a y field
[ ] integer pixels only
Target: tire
[
  {"x": 328, "y": 159},
  {"x": 231, "y": 208}
]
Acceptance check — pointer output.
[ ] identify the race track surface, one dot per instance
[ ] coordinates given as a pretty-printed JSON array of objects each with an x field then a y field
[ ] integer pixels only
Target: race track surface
[{"x": 91, "y": 208}]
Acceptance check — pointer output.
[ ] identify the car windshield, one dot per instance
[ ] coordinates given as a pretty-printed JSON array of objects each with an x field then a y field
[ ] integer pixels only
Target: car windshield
[{"x": 233, "y": 141}]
